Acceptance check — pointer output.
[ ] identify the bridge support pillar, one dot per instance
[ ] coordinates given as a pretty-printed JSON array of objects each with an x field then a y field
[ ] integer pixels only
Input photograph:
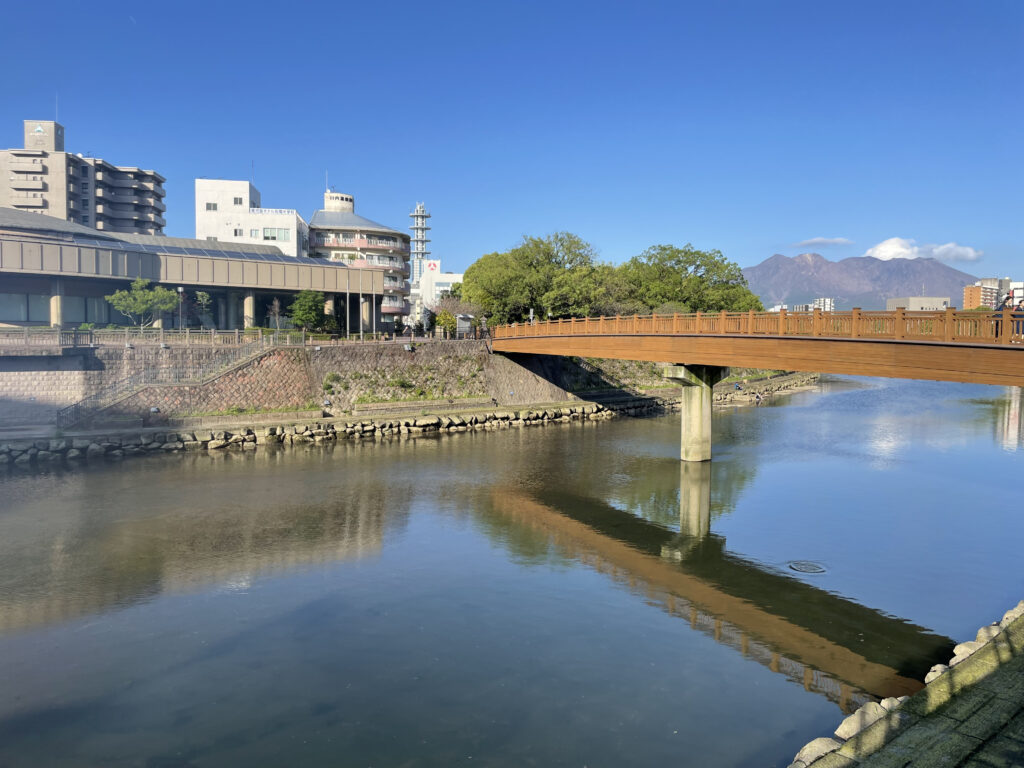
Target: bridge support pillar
[
  {"x": 697, "y": 382},
  {"x": 695, "y": 499}
]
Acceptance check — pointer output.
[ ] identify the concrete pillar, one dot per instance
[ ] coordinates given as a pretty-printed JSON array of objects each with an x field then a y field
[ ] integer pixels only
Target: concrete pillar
[
  {"x": 222, "y": 313},
  {"x": 232, "y": 311},
  {"x": 366, "y": 312},
  {"x": 56, "y": 303},
  {"x": 697, "y": 381},
  {"x": 695, "y": 499},
  {"x": 249, "y": 310}
]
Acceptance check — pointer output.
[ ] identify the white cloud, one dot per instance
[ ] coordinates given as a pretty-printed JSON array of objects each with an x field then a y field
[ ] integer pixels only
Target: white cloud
[
  {"x": 906, "y": 248},
  {"x": 823, "y": 242}
]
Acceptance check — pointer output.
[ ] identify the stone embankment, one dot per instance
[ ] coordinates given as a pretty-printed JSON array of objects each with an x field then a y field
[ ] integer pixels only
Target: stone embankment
[
  {"x": 115, "y": 447},
  {"x": 970, "y": 712}
]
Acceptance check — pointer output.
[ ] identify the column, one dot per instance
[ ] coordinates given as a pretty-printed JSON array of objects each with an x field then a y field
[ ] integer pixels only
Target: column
[
  {"x": 249, "y": 310},
  {"x": 697, "y": 382},
  {"x": 56, "y": 303},
  {"x": 222, "y": 313},
  {"x": 695, "y": 499},
  {"x": 329, "y": 305}
]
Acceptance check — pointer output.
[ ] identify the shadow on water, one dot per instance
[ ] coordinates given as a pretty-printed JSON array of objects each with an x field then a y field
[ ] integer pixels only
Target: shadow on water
[{"x": 828, "y": 643}]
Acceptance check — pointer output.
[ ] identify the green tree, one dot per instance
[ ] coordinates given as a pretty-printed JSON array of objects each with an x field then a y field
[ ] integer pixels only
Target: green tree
[
  {"x": 446, "y": 321},
  {"x": 689, "y": 279},
  {"x": 141, "y": 304},
  {"x": 307, "y": 311},
  {"x": 506, "y": 286}
]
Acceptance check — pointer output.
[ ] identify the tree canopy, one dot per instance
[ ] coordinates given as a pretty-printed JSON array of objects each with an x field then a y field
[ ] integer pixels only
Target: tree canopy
[
  {"x": 560, "y": 276},
  {"x": 307, "y": 311},
  {"x": 141, "y": 304}
]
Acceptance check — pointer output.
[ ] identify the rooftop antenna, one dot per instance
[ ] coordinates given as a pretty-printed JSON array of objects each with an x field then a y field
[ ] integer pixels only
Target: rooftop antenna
[{"x": 56, "y": 107}]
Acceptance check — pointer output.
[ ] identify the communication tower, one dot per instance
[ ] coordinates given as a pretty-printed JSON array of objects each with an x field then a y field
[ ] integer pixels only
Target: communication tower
[{"x": 419, "y": 241}]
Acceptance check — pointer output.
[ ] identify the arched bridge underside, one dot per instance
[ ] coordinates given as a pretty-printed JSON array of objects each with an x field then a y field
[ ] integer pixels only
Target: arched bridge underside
[{"x": 975, "y": 347}]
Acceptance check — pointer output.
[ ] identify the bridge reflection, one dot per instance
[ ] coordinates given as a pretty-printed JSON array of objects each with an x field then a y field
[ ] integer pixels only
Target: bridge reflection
[{"x": 827, "y": 643}]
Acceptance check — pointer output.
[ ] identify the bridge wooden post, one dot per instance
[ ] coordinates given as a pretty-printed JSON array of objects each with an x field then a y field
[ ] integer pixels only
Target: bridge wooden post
[
  {"x": 782, "y": 322},
  {"x": 1006, "y": 330},
  {"x": 950, "y": 329},
  {"x": 697, "y": 382},
  {"x": 750, "y": 321},
  {"x": 816, "y": 322},
  {"x": 721, "y": 321},
  {"x": 855, "y": 322}
]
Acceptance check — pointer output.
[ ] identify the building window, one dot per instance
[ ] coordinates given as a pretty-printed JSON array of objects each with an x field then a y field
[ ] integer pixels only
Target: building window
[
  {"x": 254, "y": 233},
  {"x": 238, "y": 201},
  {"x": 211, "y": 206},
  {"x": 85, "y": 218},
  {"x": 212, "y": 239},
  {"x": 272, "y": 233},
  {"x": 238, "y": 232},
  {"x": 85, "y": 171}
]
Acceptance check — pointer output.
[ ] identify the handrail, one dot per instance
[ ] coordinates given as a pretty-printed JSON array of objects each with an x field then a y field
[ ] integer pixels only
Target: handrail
[{"x": 948, "y": 326}]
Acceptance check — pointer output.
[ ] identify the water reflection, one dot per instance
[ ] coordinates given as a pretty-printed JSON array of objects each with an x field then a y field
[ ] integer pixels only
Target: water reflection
[
  {"x": 828, "y": 644},
  {"x": 567, "y": 594},
  {"x": 100, "y": 557}
]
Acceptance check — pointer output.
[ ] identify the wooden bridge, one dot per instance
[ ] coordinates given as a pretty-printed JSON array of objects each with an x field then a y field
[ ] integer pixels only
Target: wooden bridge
[{"x": 977, "y": 347}]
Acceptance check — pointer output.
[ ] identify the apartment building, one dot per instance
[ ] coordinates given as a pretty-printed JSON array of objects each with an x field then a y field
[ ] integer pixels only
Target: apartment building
[
  {"x": 229, "y": 211},
  {"x": 338, "y": 234},
  {"x": 824, "y": 303},
  {"x": 987, "y": 292},
  {"x": 42, "y": 177}
]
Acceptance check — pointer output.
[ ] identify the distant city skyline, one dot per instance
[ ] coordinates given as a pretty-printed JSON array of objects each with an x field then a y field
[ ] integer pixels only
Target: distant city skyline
[{"x": 885, "y": 129}]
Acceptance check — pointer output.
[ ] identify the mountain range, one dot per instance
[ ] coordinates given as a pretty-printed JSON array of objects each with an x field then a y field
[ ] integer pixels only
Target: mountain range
[{"x": 860, "y": 281}]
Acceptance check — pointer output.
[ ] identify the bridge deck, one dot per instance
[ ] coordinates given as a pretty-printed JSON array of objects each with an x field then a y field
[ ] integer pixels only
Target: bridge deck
[{"x": 979, "y": 347}]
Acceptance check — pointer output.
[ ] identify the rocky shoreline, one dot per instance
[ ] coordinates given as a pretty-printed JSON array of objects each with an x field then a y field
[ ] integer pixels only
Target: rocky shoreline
[
  {"x": 876, "y": 724},
  {"x": 76, "y": 449}
]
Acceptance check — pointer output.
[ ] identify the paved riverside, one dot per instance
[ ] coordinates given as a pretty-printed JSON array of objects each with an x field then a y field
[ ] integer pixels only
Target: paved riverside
[{"x": 972, "y": 716}]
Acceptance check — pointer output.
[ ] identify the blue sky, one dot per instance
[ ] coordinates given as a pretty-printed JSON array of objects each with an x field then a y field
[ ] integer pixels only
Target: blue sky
[{"x": 747, "y": 126}]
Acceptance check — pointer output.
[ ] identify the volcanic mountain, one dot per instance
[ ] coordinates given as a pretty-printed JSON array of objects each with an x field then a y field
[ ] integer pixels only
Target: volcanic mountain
[{"x": 862, "y": 281}]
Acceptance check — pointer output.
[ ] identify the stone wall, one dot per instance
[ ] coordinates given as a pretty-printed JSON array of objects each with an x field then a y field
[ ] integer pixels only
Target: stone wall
[
  {"x": 276, "y": 380},
  {"x": 34, "y": 387}
]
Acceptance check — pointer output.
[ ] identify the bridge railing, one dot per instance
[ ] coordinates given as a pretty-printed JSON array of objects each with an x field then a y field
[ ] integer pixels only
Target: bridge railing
[{"x": 900, "y": 325}]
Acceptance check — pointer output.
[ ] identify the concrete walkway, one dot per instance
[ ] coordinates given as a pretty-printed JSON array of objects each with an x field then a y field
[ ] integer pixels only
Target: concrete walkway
[{"x": 970, "y": 715}]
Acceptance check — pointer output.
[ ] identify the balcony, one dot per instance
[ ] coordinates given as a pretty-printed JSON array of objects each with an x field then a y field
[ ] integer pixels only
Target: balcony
[
  {"x": 328, "y": 241},
  {"x": 397, "y": 286},
  {"x": 24, "y": 201},
  {"x": 21, "y": 182},
  {"x": 393, "y": 306},
  {"x": 26, "y": 166}
]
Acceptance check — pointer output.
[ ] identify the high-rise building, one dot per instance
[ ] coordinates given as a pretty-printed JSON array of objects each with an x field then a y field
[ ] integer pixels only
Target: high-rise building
[
  {"x": 419, "y": 241},
  {"x": 42, "y": 178},
  {"x": 229, "y": 211},
  {"x": 987, "y": 292}
]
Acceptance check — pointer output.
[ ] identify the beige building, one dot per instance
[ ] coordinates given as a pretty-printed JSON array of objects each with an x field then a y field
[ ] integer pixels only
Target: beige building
[
  {"x": 230, "y": 211},
  {"x": 917, "y": 303},
  {"x": 57, "y": 273},
  {"x": 42, "y": 178},
  {"x": 341, "y": 236}
]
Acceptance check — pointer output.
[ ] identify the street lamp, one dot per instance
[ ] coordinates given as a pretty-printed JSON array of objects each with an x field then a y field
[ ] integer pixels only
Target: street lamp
[{"x": 181, "y": 302}]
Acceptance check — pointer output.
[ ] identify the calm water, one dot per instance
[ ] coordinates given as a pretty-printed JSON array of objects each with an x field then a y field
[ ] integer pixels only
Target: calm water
[{"x": 530, "y": 597}]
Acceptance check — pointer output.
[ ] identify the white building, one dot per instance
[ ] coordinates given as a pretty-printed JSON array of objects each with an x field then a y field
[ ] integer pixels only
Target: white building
[
  {"x": 824, "y": 303},
  {"x": 230, "y": 212},
  {"x": 917, "y": 303}
]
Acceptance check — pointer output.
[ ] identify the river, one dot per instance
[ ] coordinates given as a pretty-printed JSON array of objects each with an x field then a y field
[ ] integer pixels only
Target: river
[{"x": 541, "y": 596}]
